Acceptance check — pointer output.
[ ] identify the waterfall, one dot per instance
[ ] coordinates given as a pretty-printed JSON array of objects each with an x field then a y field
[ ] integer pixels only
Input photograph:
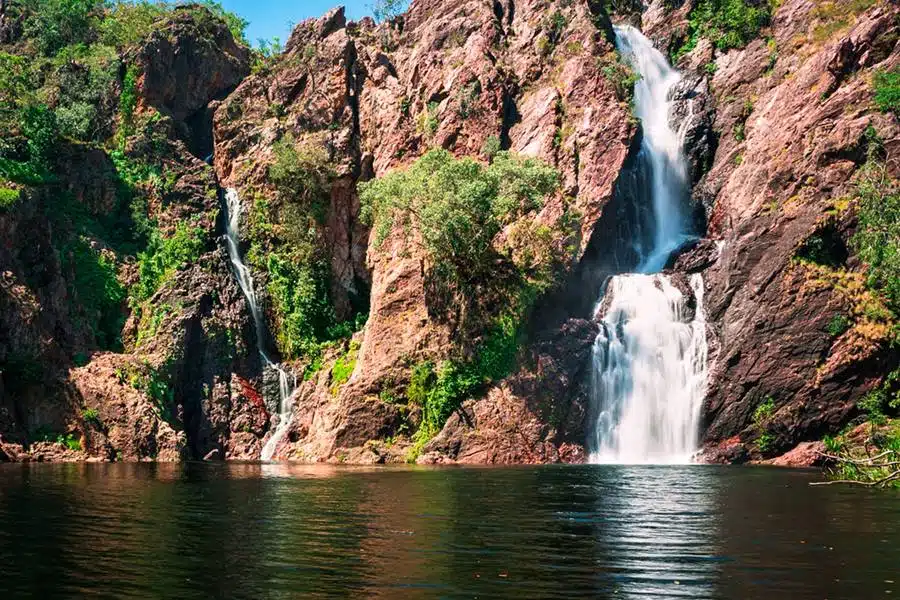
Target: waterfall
[
  {"x": 665, "y": 170},
  {"x": 649, "y": 372},
  {"x": 650, "y": 358},
  {"x": 286, "y": 383}
]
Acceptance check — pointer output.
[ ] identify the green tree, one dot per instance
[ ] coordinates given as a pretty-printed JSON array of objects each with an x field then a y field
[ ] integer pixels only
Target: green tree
[
  {"x": 53, "y": 24},
  {"x": 455, "y": 207}
]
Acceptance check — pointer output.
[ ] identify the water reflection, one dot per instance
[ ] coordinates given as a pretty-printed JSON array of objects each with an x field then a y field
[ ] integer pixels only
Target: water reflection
[
  {"x": 291, "y": 531},
  {"x": 658, "y": 531}
]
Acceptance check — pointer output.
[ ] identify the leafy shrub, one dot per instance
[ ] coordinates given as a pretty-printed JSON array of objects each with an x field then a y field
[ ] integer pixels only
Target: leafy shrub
[
  {"x": 69, "y": 441},
  {"x": 128, "y": 23},
  {"x": 882, "y": 400},
  {"x": 96, "y": 288},
  {"x": 429, "y": 122},
  {"x": 344, "y": 366},
  {"x": 165, "y": 256},
  {"x": 878, "y": 236},
  {"x": 28, "y": 173},
  {"x": 838, "y": 325},
  {"x": 41, "y": 129},
  {"x": 492, "y": 147},
  {"x": 127, "y": 103},
  {"x": 53, "y": 24},
  {"x": 8, "y": 197},
  {"x": 235, "y": 23},
  {"x": 16, "y": 87},
  {"x": 765, "y": 443},
  {"x": 456, "y": 206},
  {"x": 301, "y": 174},
  {"x": 619, "y": 74},
  {"x": 85, "y": 81},
  {"x": 300, "y": 297},
  {"x": 887, "y": 90},
  {"x": 91, "y": 416},
  {"x": 764, "y": 412},
  {"x": 726, "y": 23}
]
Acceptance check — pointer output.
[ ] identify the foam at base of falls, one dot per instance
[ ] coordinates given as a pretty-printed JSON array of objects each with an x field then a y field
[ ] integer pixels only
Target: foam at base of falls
[
  {"x": 649, "y": 372},
  {"x": 286, "y": 384}
]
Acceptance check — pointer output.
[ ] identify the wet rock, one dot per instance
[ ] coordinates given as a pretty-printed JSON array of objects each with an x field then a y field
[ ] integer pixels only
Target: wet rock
[{"x": 692, "y": 117}]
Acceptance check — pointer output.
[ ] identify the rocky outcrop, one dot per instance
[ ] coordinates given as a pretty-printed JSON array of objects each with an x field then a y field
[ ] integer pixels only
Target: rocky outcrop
[
  {"x": 776, "y": 133},
  {"x": 190, "y": 60},
  {"x": 454, "y": 75},
  {"x": 175, "y": 382},
  {"x": 791, "y": 129}
]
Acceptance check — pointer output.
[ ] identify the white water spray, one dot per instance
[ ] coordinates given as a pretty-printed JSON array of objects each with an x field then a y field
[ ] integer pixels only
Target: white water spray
[
  {"x": 649, "y": 361},
  {"x": 242, "y": 273},
  {"x": 649, "y": 372}
]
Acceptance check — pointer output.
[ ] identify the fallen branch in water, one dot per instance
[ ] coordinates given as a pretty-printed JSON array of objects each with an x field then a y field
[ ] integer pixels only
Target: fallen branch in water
[{"x": 870, "y": 471}]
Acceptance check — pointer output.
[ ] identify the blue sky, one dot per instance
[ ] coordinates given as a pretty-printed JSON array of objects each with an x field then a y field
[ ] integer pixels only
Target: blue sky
[{"x": 270, "y": 18}]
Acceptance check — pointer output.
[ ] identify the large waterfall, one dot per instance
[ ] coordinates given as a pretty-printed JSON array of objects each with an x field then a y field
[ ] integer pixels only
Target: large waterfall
[
  {"x": 649, "y": 361},
  {"x": 286, "y": 383}
]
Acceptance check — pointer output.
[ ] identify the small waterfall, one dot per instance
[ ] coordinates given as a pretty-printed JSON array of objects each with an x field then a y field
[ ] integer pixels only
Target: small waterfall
[
  {"x": 649, "y": 361},
  {"x": 286, "y": 384},
  {"x": 664, "y": 173}
]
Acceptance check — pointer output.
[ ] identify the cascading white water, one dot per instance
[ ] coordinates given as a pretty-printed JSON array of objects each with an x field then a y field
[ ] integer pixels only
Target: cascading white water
[
  {"x": 245, "y": 280},
  {"x": 649, "y": 372},
  {"x": 649, "y": 361},
  {"x": 661, "y": 146}
]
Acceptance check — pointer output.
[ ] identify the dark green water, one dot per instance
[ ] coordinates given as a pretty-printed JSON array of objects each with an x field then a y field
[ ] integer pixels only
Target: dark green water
[{"x": 273, "y": 531}]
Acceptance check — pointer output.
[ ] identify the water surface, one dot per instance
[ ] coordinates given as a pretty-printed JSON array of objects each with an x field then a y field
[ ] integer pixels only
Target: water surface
[{"x": 283, "y": 531}]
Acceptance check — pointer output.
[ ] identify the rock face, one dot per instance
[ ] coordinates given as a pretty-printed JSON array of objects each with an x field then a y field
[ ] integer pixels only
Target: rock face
[
  {"x": 178, "y": 381},
  {"x": 791, "y": 131},
  {"x": 775, "y": 135},
  {"x": 452, "y": 75}
]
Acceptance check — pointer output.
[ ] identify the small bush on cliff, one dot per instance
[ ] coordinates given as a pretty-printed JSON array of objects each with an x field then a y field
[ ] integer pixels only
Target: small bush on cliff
[
  {"x": 619, "y": 74},
  {"x": 8, "y": 197},
  {"x": 887, "y": 90},
  {"x": 164, "y": 256},
  {"x": 878, "y": 237},
  {"x": 95, "y": 286},
  {"x": 300, "y": 297},
  {"x": 301, "y": 174},
  {"x": 838, "y": 325},
  {"x": 386, "y": 10},
  {"x": 726, "y": 23}
]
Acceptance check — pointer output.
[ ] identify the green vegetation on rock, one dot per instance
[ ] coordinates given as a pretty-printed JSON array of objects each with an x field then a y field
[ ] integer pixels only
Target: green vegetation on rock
[
  {"x": 166, "y": 255},
  {"x": 878, "y": 237},
  {"x": 287, "y": 243},
  {"x": 452, "y": 210},
  {"x": 726, "y": 23},
  {"x": 887, "y": 90}
]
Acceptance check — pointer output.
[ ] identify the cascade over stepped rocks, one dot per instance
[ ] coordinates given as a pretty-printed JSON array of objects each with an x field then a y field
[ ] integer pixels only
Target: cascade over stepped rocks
[{"x": 775, "y": 133}]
